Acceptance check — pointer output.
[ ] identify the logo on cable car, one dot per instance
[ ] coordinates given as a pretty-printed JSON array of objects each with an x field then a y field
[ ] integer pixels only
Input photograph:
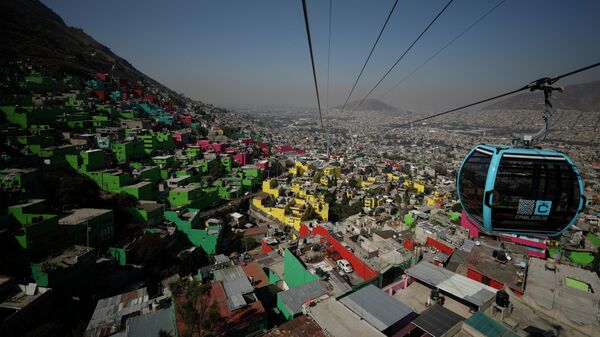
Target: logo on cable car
[{"x": 534, "y": 209}]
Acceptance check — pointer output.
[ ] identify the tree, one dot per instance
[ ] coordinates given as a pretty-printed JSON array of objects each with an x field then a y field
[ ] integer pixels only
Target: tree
[
  {"x": 248, "y": 243},
  {"x": 216, "y": 169},
  {"x": 228, "y": 241},
  {"x": 77, "y": 191},
  {"x": 194, "y": 305}
]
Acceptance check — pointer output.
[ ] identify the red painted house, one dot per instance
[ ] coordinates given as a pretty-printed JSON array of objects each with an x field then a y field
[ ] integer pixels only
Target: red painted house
[
  {"x": 263, "y": 165},
  {"x": 241, "y": 158}
]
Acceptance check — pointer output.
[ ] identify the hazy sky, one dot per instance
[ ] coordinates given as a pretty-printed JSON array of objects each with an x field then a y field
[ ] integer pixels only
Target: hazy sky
[{"x": 255, "y": 51}]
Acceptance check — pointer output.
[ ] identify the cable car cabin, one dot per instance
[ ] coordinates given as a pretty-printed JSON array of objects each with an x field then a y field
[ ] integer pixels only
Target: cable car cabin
[{"x": 520, "y": 190}]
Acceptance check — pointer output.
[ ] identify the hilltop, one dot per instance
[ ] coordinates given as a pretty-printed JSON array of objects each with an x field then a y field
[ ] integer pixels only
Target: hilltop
[
  {"x": 370, "y": 104},
  {"x": 33, "y": 33}
]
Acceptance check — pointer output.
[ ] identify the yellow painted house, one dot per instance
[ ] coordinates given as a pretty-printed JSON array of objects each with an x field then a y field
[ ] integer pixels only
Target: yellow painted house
[
  {"x": 436, "y": 199},
  {"x": 373, "y": 202},
  {"x": 417, "y": 184},
  {"x": 271, "y": 187},
  {"x": 326, "y": 181},
  {"x": 299, "y": 169},
  {"x": 393, "y": 177},
  {"x": 335, "y": 171}
]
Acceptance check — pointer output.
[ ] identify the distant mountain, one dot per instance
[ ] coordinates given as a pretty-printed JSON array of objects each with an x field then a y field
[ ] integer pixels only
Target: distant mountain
[
  {"x": 370, "y": 104},
  {"x": 33, "y": 32},
  {"x": 582, "y": 97}
]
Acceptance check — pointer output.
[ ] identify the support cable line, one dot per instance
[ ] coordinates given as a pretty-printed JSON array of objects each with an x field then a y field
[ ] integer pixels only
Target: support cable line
[
  {"x": 403, "y": 54},
  {"x": 535, "y": 85},
  {"x": 328, "y": 72},
  {"x": 443, "y": 48},
  {"x": 312, "y": 60},
  {"x": 328, "y": 58},
  {"x": 370, "y": 54}
]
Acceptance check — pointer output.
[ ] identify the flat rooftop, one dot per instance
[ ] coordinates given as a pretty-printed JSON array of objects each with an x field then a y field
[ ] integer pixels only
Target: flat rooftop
[
  {"x": 416, "y": 295},
  {"x": 24, "y": 296},
  {"x": 138, "y": 184},
  {"x": 67, "y": 258},
  {"x": 339, "y": 321},
  {"x": 81, "y": 215},
  {"x": 552, "y": 290},
  {"x": 482, "y": 261},
  {"x": 186, "y": 188},
  {"x": 464, "y": 288}
]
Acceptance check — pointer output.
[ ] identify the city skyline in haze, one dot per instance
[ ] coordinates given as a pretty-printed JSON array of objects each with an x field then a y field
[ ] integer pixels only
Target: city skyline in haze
[{"x": 255, "y": 52}]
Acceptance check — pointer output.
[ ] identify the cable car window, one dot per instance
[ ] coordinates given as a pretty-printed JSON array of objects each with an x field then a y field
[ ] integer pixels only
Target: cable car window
[
  {"x": 534, "y": 194},
  {"x": 472, "y": 183}
]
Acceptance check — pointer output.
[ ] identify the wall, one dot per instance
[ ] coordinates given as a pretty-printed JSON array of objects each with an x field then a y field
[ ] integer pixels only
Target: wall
[
  {"x": 360, "y": 267},
  {"x": 295, "y": 274},
  {"x": 439, "y": 246}
]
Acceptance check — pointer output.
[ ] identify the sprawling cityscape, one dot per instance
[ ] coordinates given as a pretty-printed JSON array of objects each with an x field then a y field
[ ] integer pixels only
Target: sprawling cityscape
[{"x": 127, "y": 209}]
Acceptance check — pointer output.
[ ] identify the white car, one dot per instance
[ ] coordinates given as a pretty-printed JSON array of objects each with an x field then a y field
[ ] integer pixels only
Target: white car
[{"x": 344, "y": 265}]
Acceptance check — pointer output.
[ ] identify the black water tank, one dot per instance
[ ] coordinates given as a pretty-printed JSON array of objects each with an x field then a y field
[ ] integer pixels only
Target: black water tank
[{"x": 502, "y": 298}]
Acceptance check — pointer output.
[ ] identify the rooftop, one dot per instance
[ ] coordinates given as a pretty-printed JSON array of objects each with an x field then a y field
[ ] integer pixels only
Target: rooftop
[
  {"x": 416, "y": 295},
  {"x": 437, "y": 320},
  {"x": 295, "y": 297},
  {"x": 152, "y": 323},
  {"x": 81, "y": 215},
  {"x": 481, "y": 260},
  {"x": 339, "y": 321},
  {"x": 487, "y": 326},
  {"x": 301, "y": 326},
  {"x": 561, "y": 290},
  {"x": 454, "y": 284},
  {"x": 67, "y": 258},
  {"x": 109, "y": 312},
  {"x": 23, "y": 296},
  {"x": 376, "y": 307}
]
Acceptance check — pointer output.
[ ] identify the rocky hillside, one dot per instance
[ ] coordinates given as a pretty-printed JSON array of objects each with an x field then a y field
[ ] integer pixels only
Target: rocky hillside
[{"x": 32, "y": 32}]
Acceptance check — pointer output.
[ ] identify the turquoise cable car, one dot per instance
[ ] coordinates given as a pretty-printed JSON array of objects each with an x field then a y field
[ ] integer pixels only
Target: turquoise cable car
[{"x": 521, "y": 189}]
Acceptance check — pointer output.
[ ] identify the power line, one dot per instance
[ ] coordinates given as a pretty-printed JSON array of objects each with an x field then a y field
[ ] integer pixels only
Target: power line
[
  {"x": 328, "y": 58},
  {"x": 531, "y": 86},
  {"x": 370, "y": 53},
  {"x": 312, "y": 59},
  {"x": 443, "y": 48},
  {"x": 403, "y": 54}
]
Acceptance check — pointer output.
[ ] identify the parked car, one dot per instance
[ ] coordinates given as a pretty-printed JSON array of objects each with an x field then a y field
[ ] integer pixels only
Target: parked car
[{"x": 345, "y": 266}]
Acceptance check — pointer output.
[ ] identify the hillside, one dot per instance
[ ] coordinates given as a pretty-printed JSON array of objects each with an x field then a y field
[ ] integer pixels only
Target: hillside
[
  {"x": 370, "y": 104},
  {"x": 582, "y": 97},
  {"x": 31, "y": 31}
]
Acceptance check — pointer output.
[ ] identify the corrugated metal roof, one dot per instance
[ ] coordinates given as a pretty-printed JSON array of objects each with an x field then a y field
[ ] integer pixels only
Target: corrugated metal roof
[
  {"x": 437, "y": 320},
  {"x": 235, "y": 302},
  {"x": 295, "y": 297},
  {"x": 109, "y": 311},
  {"x": 339, "y": 321},
  {"x": 152, "y": 323},
  {"x": 235, "y": 281},
  {"x": 460, "y": 286},
  {"x": 376, "y": 307},
  {"x": 487, "y": 326}
]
